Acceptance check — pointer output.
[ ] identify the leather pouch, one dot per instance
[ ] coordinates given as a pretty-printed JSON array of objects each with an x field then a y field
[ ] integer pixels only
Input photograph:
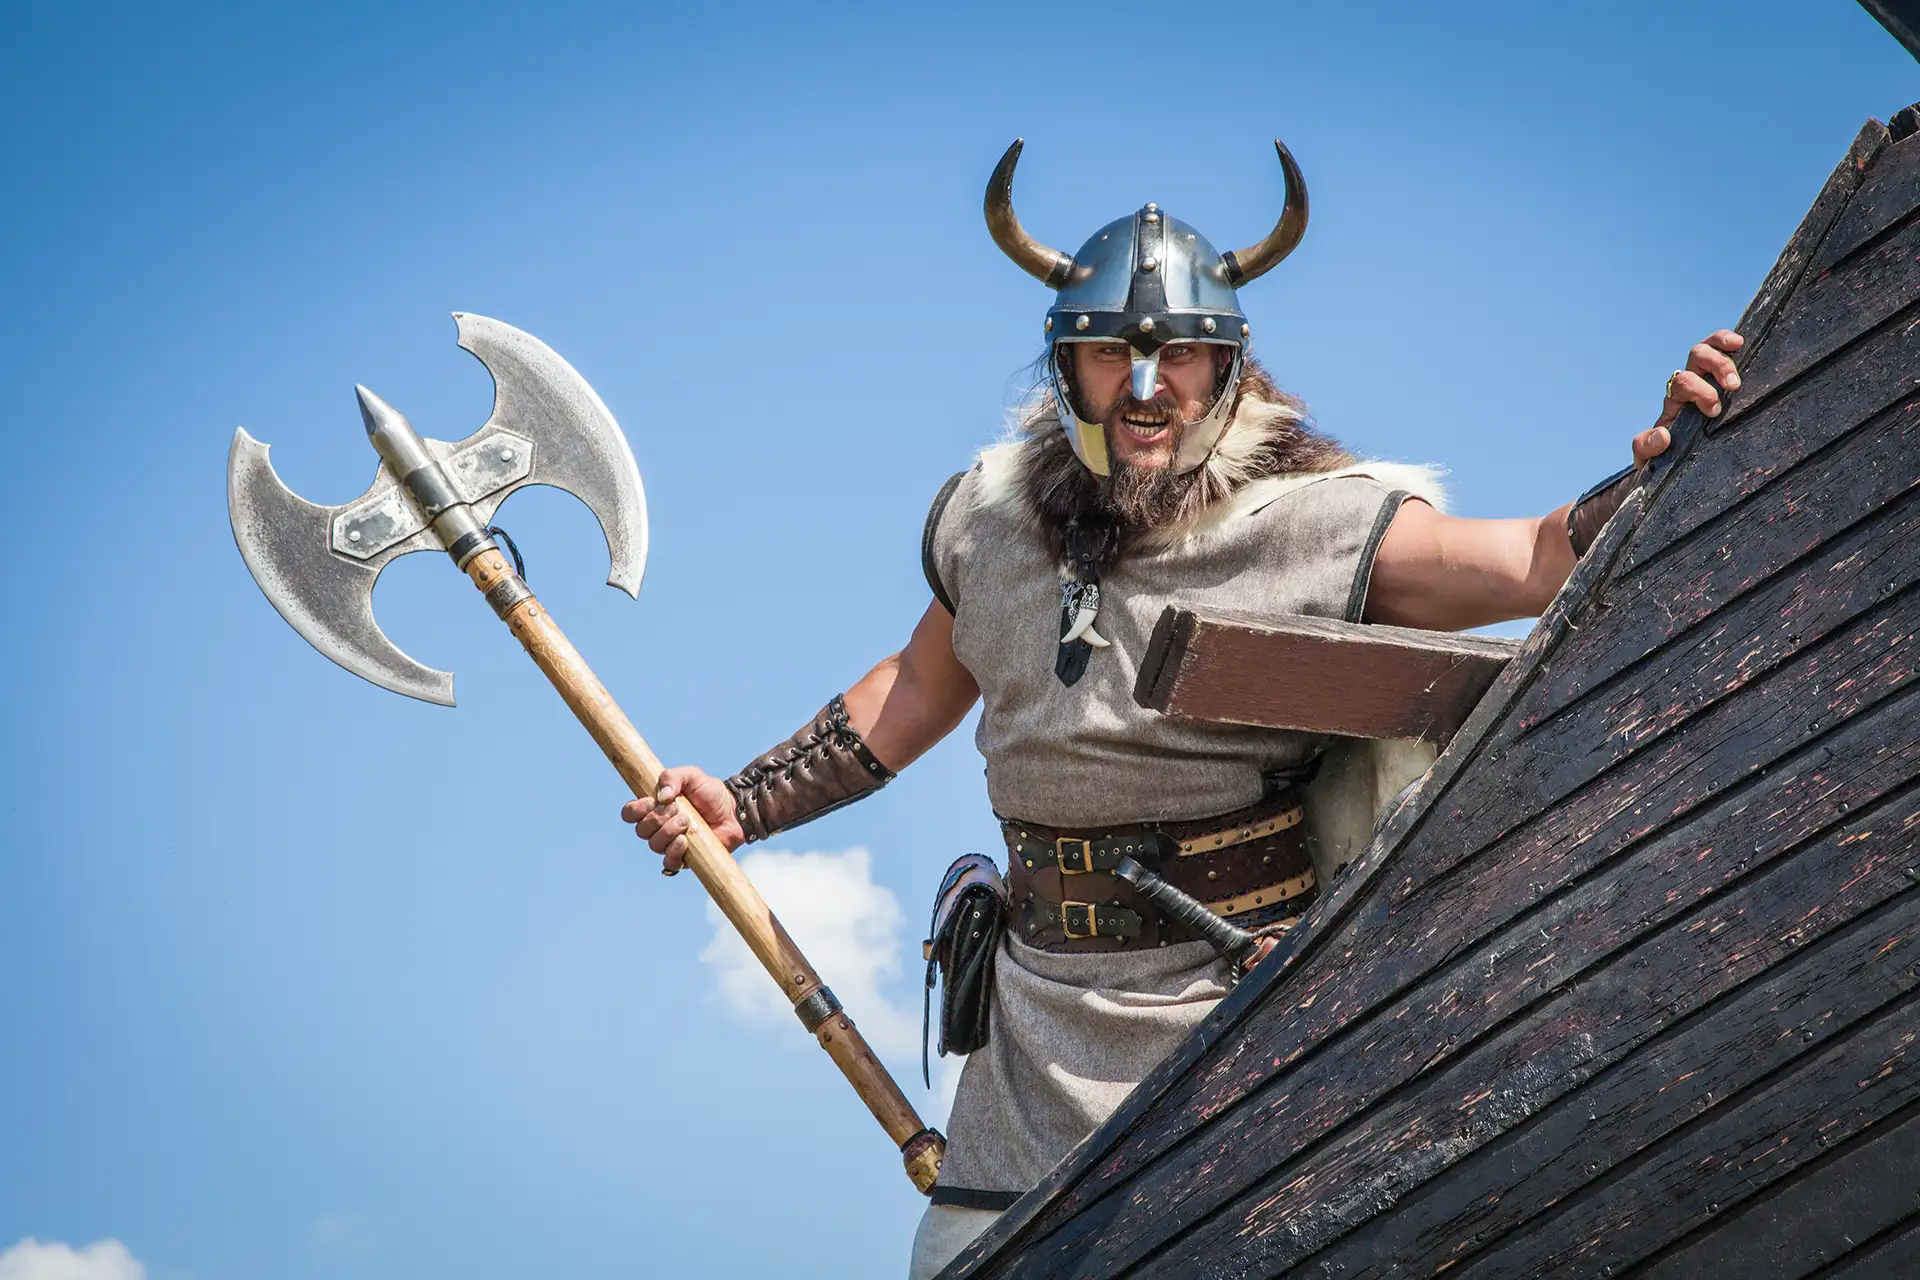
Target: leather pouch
[{"x": 969, "y": 915}]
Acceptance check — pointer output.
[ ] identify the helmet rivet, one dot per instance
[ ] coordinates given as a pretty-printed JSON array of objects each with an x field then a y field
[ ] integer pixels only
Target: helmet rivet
[
  {"x": 1208, "y": 324},
  {"x": 1049, "y": 324},
  {"x": 1153, "y": 217},
  {"x": 1148, "y": 264},
  {"x": 1245, "y": 332},
  {"x": 1151, "y": 206},
  {"x": 1082, "y": 322},
  {"x": 1146, "y": 326}
]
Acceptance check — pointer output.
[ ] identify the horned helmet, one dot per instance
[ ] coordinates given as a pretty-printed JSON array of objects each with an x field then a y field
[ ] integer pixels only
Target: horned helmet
[{"x": 1147, "y": 280}]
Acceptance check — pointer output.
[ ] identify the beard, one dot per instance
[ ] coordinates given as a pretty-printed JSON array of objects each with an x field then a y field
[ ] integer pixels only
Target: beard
[
  {"x": 1088, "y": 523},
  {"x": 1144, "y": 497}
]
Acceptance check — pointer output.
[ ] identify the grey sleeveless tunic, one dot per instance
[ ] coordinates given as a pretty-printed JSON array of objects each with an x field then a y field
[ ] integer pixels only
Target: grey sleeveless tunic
[{"x": 1072, "y": 1034}]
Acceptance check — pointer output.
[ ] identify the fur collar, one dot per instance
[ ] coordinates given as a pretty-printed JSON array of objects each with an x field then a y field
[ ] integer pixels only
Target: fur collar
[{"x": 1267, "y": 452}]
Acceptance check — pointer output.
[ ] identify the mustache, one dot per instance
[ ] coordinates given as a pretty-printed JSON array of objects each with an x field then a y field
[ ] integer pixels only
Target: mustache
[{"x": 1161, "y": 406}]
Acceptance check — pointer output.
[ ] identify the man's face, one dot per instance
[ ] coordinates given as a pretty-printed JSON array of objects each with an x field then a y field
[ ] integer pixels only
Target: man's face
[{"x": 1144, "y": 433}]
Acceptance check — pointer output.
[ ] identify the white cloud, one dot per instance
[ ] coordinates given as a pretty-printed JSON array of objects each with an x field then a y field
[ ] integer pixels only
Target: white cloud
[
  {"x": 101, "y": 1260},
  {"x": 850, "y": 929},
  {"x": 345, "y": 1234}
]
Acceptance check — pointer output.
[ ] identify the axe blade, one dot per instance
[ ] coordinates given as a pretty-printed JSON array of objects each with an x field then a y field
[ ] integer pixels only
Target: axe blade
[
  {"x": 577, "y": 445},
  {"x": 327, "y": 598}
]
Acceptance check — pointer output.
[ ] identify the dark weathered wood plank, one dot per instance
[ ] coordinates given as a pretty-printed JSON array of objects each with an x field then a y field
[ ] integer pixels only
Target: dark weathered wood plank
[
  {"x": 1873, "y": 570},
  {"x": 1796, "y": 794},
  {"x": 1732, "y": 647},
  {"x": 1348, "y": 1193},
  {"x": 1537, "y": 800},
  {"x": 1888, "y": 193},
  {"x": 1281, "y": 1210},
  {"x": 1805, "y": 514},
  {"x": 1854, "y": 1196},
  {"x": 1831, "y": 310},
  {"x": 1318, "y": 675},
  {"x": 1896, "y": 1256},
  {"x": 1860, "y": 383},
  {"x": 1828, "y": 1097},
  {"x": 1660, "y": 1086}
]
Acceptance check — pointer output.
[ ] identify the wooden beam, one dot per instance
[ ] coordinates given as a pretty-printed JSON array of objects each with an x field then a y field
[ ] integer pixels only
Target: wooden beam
[{"x": 1289, "y": 671}]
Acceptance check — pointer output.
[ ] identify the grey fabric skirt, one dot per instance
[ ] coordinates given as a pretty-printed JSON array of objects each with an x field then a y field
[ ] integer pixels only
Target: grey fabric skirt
[{"x": 1070, "y": 1036}]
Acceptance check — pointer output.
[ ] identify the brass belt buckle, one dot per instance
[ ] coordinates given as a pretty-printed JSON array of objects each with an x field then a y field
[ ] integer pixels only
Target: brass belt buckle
[
  {"x": 1066, "y": 922},
  {"x": 1083, "y": 856}
]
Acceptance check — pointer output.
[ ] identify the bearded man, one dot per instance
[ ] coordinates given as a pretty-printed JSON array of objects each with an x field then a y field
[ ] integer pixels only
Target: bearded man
[{"x": 1162, "y": 466}]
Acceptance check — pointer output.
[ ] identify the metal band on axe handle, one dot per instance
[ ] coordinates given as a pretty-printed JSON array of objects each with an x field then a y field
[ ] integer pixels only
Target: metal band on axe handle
[{"x": 318, "y": 566}]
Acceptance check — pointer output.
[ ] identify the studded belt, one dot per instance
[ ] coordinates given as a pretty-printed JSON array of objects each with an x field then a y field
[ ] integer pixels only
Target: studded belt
[{"x": 1251, "y": 865}]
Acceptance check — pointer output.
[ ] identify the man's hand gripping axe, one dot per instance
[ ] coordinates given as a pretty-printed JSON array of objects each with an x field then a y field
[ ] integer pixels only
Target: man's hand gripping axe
[{"x": 318, "y": 565}]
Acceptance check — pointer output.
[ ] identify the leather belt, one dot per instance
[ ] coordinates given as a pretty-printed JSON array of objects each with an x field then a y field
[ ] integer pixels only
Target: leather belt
[
  {"x": 1252, "y": 863},
  {"x": 1075, "y": 855},
  {"x": 1080, "y": 920}
]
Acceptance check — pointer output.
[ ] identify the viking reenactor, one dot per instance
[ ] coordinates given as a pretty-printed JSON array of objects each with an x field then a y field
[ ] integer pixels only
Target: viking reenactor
[{"x": 1160, "y": 464}]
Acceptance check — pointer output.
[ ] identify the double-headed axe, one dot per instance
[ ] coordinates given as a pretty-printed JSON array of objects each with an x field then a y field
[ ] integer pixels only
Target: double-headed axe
[{"x": 318, "y": 565}]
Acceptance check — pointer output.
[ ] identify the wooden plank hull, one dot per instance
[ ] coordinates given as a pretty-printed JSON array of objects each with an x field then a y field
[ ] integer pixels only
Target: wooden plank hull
[{"x": 1631, "y": 985}]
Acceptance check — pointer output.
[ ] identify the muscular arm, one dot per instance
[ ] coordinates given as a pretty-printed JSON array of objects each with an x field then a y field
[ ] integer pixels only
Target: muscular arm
[
  {"x": 914, "y": 698},
  {"x": 900, "y": 709},
  {"x": 1449, "y": 573}
]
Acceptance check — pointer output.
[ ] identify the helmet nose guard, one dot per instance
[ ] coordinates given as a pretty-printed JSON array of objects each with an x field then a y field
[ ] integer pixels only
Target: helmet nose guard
[
  {"x": 1146, "y": 376},
  {"x": 1146, "y": 280}
]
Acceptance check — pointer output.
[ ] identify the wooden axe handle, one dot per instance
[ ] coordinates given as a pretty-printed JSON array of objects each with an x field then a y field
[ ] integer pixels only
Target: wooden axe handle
[{"x": 709, "y": 859}]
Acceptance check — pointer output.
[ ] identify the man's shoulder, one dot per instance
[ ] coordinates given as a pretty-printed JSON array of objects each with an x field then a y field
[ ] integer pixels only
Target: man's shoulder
[
  {"x": 974, "y": 510},
  {"x": 989, "y": 489},
  {"x": 1356, "y": 484}
]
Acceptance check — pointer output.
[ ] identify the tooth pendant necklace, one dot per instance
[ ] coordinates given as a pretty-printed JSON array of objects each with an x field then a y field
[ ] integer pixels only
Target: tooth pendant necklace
[
  {"x": 1079, "y": 610},
  {"x": 1084, "y": 551}
]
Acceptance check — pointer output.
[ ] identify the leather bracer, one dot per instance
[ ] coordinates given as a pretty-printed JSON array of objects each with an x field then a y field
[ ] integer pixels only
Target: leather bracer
[
  {"x": 822, "y": 767},
  {"x": 1592, "y": 509}
]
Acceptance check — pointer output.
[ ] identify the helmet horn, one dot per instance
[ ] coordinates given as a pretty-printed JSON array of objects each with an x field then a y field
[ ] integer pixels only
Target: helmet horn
[
  {"x": 1256, "y": 260},
  {"x": 1032, "y": 257}
]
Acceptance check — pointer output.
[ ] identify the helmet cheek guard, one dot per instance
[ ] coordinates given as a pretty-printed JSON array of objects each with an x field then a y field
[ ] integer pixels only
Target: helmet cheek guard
[{"x": 1146, "y": 280}]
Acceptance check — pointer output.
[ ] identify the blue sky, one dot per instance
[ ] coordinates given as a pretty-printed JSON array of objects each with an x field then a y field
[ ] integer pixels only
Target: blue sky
[{"x": 299, "y": 978}]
